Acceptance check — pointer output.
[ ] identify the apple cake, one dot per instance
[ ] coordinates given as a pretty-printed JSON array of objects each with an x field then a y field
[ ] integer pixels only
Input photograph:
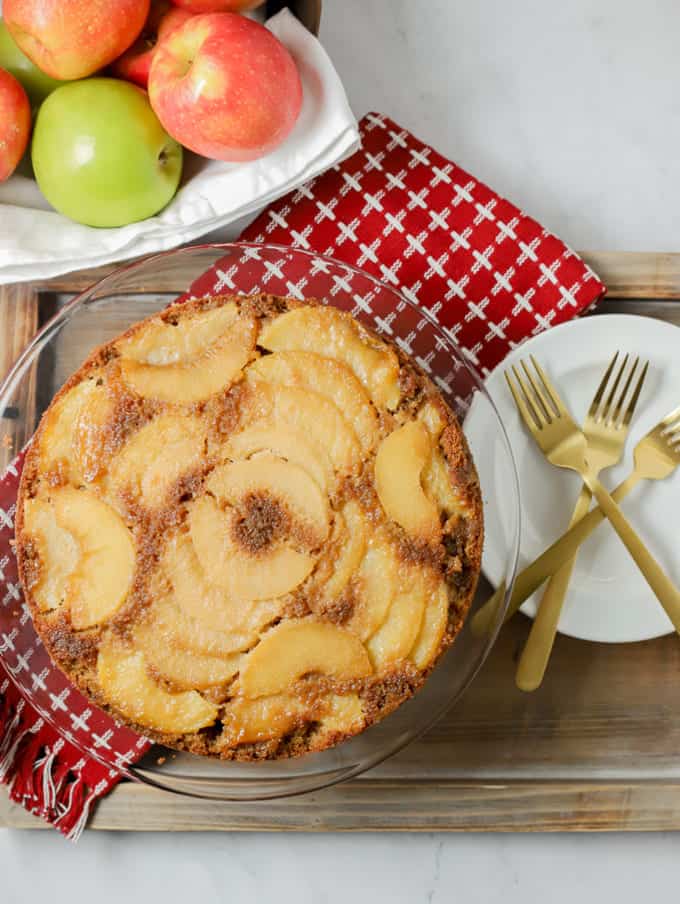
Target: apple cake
[{"x": 248, "y": 527}]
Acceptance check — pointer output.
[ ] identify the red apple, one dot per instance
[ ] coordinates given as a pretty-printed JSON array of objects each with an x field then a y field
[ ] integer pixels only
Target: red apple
[
  {"x": 135, "y": 63},
  {"x": 225, "y": 87},
  {"x": 15, "y": 123},
  {"x": 70, "y": 39},
  {"x": 217, "y": 6}
]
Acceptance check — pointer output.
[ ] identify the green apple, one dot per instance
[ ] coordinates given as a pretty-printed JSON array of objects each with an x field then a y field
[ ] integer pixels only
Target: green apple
[
  {"x": 35, "y": 82},
  {"x": 100, "y": 155}
]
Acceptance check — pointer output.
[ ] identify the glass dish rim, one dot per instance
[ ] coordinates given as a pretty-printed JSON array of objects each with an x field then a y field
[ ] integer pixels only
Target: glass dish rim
[{"x": 70, "y": 308}]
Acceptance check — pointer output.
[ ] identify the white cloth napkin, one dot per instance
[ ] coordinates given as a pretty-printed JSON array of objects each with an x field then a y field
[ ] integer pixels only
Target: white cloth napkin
[{"x": 36, "y": 242}]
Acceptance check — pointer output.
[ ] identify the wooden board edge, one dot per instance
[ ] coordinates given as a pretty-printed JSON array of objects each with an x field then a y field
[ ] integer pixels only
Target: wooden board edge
[
  {"x": 637, "y": 274},
  {"x": 19, "y": 308},
  {"x": 390, "y": 806},
  {"x": 627, "y": 274}
]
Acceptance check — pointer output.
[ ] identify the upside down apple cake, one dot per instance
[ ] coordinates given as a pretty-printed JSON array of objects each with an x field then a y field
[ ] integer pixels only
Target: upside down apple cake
[{"x": 248, "y": 527}]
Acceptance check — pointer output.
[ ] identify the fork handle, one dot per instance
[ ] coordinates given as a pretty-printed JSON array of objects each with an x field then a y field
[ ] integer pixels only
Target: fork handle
[
  {"x": 666, "y": 591},
  {"x": 537, "y": 649},
  {"x": 530, "y": 579}
]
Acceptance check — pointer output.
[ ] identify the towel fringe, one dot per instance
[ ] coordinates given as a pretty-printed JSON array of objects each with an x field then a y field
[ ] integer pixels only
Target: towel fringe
[
  {"x": 76, "y": 829},
  {"x": 44, "y": 776},
  {"x": 22, "y": 783},
  {"x": 70, "y": 806},
  {"x": 9, "y": 721},
  {"x": 37, "y": 778},
  {"x": 12, "y": 736}
]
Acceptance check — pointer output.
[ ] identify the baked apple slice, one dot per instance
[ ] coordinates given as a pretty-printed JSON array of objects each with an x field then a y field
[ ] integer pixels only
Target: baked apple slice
[
  {"x": 433, "y": 627},
  {"x": 286, "y": 444},
  {"x": 191, "y": 363},
  {"x": 344, "y": 715},
  {"x": 126, "y": 683},
  {"x": 58, "y": 554},
  {"x": 88, "y": 552},
  {"x": 231, "y": 564},
  {"x": 186, "y": 670},
  {"x": 250, "y": 527},
  {"x": 431, "y": 416},
  {"x": 188, "y": 634},
  {"x": 249, "y": 721},
  {"x": 309, "y": 329},
  {"x": 289, "y": 408},
  {"x": 376, "y": 586},
  {"x": 159, "y": 342},
  {"x": 209, "y": 605},
  {"x": 73, "y": 435},
  {"x": 156, "y": 456},
  {"x": 284, "y": 485},
  {"x": 395, "y": 638},
  {"x": 437, "y": 485},
  {"x": 328, "y": 377},
  {"x": 399, "y": 464},
  {"x": 299, "y": 647},
  {"x": 345, "y": 551}
]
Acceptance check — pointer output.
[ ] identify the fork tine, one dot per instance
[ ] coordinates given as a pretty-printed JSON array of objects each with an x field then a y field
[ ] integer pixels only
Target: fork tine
[
  {"x": 557, "y": 402},
  {"x": 630, "y": 410},
  {"x": 529, "y": 419},
  {"x": 606, "y": 411},
  {"x": 618, "y": 405},
  {"x": 595, "y": 404},
  {"x": 539, "y": 416},
  {"x": 549, "y": 413},
  {"x": 671, "y": 418}
]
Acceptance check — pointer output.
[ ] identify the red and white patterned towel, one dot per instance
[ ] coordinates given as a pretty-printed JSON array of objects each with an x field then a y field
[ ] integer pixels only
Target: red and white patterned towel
[{"x": 488, "y": 273}]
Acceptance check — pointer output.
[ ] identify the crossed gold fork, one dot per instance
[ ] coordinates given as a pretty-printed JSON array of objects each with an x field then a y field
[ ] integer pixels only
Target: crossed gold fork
[
  {"x": 605, "y": 429},
  {"x": 656, "y": 456}
]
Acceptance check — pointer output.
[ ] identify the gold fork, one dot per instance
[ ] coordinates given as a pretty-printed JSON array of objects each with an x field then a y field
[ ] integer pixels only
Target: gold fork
[
  {"x": 564, "y": 445},
  {"x": 605, "y": 429},
  {"x": 656, "y": 457}
]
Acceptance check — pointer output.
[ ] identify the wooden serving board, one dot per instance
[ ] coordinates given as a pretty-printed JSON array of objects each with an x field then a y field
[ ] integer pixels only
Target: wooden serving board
[{"x": 596, "y": 748}]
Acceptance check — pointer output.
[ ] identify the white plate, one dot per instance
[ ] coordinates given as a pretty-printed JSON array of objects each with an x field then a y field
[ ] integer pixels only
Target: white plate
[{"x": 608, "y": 599}]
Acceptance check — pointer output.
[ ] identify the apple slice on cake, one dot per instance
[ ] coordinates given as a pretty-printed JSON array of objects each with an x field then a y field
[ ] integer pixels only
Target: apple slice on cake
[
  {"x": 302, "y": 411},
  {"x": 210, "y": 606},
  {"x": 190, "y": 364},
  {"x": 73, "y": 436},
  {"x": 184, "y": 669},
  {"x": 124, "y": 679},
  {"x": 299, "y": 647},
  {"x": 86, "y": 555},
  {"x": 399, "y": 464},
  {"x": 257, "y": 530},
  {"x": 327, "y": 377},
  {"x": 152, "y": 461},
  {"x": 309, "y": 329}
]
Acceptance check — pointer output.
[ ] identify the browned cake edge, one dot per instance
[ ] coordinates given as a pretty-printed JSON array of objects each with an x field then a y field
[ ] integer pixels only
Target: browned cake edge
[{"x": 75, "y": 652}]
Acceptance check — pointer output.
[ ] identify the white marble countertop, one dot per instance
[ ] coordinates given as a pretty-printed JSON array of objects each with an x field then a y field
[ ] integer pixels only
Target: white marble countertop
[{"x": 572, "y": 110}]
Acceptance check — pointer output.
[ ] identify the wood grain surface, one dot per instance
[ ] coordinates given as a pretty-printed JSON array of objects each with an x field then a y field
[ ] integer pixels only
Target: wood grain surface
[
  {"x": 369, "y": 805},
  {"x": 597, "y": 747},
  {"x": 628, "y": 275},
  {"x": 18, "y": 325}
]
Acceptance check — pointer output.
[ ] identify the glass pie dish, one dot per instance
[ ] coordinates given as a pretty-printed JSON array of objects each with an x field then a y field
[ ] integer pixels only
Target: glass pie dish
[{"x": 138, "y": 290}]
